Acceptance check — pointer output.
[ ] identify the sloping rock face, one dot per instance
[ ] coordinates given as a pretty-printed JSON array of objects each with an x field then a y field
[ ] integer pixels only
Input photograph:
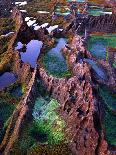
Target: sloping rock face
[
  {"x": 104, "y": 23},
  {"x": 78, "y": 109},
  {"x": 25, "y": 34},
  {"x": 18, "y": 117},
  {"x": 79, "y": 106},
  {"x": 22, "y": 70},
  {"x": 17, "y": 17}
]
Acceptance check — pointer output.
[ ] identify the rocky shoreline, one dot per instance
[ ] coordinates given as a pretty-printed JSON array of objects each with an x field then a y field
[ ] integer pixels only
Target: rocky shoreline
[{"x": 81, "y": 105}]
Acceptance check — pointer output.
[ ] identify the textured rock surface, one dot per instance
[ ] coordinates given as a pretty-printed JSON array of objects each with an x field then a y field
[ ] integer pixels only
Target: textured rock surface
[
  {"x": 104, "y": 23},
  {"x": 80, "y": 105}
]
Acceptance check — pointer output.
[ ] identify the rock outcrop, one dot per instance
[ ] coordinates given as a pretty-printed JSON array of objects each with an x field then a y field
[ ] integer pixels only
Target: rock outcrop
[
  {"x": 78, "y": 105},
  {"x": 18, "y": 117},
  {"x": 104, "y": 23}
]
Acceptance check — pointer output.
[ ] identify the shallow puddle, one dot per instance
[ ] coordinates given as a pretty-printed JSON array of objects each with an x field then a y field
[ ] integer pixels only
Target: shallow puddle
[
  {"x": 98, "y": 45},
  {"x": 30, "y": 52},
  {"x": 7, "y": 79},
  {"x": 98, "y": 70},
  {"x": 54, "y": 61},
  {"x": 16, "y": 92}
]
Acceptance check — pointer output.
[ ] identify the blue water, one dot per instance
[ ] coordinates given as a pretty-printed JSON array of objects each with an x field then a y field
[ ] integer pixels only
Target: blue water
[
  {"x": 98, "y": 70},
  {"x": 31, "y": 52},
  {"x": 98, "y": 49},
  {"x": 54, "y": 61},
  {"x": 7, "y": 79},
  {"x": 17, "y": 92},
  {"x": 19, "y": 46},
  {"x": 57, "y": 50}
]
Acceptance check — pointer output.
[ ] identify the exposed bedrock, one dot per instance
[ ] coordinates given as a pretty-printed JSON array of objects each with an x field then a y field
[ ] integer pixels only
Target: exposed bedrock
[
  {"x": 79, "y": 105},
  {"x": 18, "y": 117},
  {"x": 77, "y": 108},
  {"x": 104, "y": 23},
  {"x": 17, "y": 17},
  {"x": 22, "y": 70},
  {"x": 110, "y": 80}
]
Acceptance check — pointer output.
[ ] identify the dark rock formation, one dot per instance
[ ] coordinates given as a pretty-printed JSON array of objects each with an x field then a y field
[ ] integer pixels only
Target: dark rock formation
[
  {"x": 23, "y": 70},
  {"x": 104, "y": 23},
  {"x": 18, "y": 117},
  {"x": 78, "y": 106}
]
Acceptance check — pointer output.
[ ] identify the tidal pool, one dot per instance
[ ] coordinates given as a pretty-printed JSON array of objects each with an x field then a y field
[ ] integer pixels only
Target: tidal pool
[
  {"x": 98, "y": 70},
  {"x": 54, "y": 61},
  {"x": 98, "y": 45},
  {"x": 7, "y": 79},
  {"x": 30, "y": 52},
  {"x": 48, "y": 122},
  {"x": 16, "y": 92}
]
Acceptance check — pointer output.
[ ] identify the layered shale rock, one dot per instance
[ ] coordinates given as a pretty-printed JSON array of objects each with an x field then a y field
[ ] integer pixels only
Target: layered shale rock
[
  {"x": 80, "y": 104},
  {"x": 104, "y": 23}
]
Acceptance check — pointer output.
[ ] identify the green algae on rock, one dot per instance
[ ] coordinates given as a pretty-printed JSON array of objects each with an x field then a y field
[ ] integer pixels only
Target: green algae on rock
[
  {"x": 59, "y": 149},
  {"x": 48, "y": 121}
]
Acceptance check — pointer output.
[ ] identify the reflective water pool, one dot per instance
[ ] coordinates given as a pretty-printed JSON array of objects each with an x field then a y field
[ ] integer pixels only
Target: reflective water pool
[
  {"x": 54, "y": 61},
  {"x": 98, "y": 70},
  {"x": 7, "y": 79},
  {"x": 98, "y": 45},
  {"x": 30, "y": 52}
]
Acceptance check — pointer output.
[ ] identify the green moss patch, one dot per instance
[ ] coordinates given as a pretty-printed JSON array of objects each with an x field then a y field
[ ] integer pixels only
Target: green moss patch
[
  {"x": 56, "y": 66},
  {"x": 48, "y": 121}
]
